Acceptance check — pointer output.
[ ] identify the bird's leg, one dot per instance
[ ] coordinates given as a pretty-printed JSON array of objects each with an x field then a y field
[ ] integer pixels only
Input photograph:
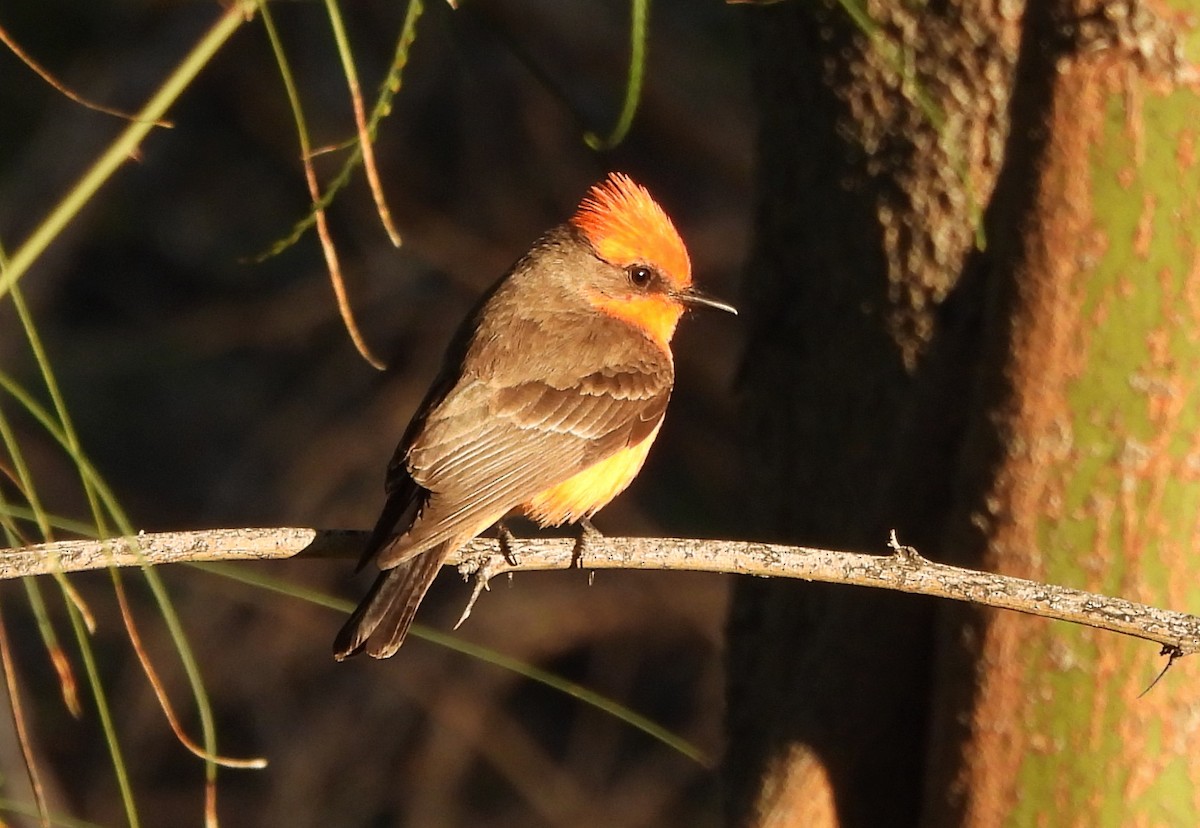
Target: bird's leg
[
  {"x": 587, "y": 534},
  {"x": 508, "y": 543},
  {"x": 481, "y": 583},
  {"x": 487, "y": 571}
]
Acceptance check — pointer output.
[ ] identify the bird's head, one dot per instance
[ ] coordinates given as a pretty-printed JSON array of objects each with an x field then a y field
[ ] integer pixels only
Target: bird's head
[{"x": 648, "y": 278}]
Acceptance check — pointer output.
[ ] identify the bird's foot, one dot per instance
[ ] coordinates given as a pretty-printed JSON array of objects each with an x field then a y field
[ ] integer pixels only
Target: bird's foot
[
  {"x": 508, "y": 544},
  {"x": 587, "y": 534},
  {"x": 489, "y": 568}
]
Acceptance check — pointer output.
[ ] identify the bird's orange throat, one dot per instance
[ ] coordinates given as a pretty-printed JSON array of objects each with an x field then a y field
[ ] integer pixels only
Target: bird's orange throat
[{"x": 656, "y": 316}]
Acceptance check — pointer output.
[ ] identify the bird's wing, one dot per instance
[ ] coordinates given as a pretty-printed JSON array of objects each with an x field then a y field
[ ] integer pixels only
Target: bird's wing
[
  {"x": 495, "y": 442},
  {"x": 404, "y": 495}
]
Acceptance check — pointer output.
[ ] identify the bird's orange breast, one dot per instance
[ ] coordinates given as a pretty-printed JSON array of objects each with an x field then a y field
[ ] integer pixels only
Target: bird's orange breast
[{"x": 584, "y": 494}]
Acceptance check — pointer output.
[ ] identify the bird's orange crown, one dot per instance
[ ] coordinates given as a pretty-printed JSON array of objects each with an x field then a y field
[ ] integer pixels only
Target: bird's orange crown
[{"x": 625, "y": 226}]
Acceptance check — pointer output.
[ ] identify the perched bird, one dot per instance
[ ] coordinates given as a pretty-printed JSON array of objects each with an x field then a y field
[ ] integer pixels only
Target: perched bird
[{"x": 550, "y": 396}]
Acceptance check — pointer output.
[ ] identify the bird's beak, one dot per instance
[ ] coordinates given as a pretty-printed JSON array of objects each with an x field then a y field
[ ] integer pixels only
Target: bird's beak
[{"x": 692, "y": 298}]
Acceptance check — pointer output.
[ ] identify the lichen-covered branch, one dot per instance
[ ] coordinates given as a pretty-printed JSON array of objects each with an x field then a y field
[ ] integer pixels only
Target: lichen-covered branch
[{"x": 902, "y": 569}]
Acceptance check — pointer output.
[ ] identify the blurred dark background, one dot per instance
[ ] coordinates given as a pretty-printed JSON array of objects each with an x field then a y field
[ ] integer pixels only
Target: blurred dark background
[{"x": 212, "y": 391}]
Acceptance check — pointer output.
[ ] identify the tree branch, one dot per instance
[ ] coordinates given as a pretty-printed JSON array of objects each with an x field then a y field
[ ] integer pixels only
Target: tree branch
[{"x": 903, "y": 570}]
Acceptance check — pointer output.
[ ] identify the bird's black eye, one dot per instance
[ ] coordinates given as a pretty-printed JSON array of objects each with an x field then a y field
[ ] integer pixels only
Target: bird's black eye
[{"x": 640, "y": 275}]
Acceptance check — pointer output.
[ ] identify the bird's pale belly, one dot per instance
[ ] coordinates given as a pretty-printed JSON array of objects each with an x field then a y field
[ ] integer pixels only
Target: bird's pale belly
[{"x": 590, "y": 490}]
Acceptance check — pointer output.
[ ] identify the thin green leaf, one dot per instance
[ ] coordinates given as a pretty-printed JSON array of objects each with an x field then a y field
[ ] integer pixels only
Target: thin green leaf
[
  {"x": 13, "y": 807},
  {"x": 590, "y": 697},
  {"x": 59, "y": 522},
  {"x": 640, "y": 13},
  {"x": 104, "y": 712},
  {"x": 382, "y": 108},
  {"x": 121, "y": 149},
  {"x": 96, "y": 484}
]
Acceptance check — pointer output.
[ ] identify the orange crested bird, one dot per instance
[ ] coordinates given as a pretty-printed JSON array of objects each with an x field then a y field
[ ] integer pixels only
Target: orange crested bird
[{"x": 550, "y": 396}]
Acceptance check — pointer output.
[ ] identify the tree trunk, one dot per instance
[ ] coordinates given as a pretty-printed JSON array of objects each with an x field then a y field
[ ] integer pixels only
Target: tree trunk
[
  {"x": 1097, "y": 485},
  {"x": 1020, "y": 406}
]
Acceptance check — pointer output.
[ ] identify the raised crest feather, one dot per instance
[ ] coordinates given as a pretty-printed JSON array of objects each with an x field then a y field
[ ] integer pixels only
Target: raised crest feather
[{"x": 626, "y": 226}]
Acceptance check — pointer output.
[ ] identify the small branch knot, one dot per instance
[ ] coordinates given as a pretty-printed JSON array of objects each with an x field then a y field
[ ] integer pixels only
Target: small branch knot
[{"x": 907, "y": 555}]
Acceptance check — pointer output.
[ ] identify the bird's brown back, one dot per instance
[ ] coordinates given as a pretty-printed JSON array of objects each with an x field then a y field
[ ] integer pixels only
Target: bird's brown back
[{"x": 536, "y": 388}]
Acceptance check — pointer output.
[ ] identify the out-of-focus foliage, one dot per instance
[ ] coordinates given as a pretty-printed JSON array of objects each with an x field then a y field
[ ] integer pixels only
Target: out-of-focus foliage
[{"x": 215, "y": 392}]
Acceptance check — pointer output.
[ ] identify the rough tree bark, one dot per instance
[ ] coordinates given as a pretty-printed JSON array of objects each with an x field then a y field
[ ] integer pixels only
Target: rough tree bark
[{"x": 1031, "y": 394}]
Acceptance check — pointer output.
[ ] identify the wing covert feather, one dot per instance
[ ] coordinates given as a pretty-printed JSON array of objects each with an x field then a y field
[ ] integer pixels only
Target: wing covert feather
[{"x": 492, "y": 444}]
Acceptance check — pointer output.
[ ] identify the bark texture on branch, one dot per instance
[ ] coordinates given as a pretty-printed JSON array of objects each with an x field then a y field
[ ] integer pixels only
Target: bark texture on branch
[{"x": 902, "y": 570}]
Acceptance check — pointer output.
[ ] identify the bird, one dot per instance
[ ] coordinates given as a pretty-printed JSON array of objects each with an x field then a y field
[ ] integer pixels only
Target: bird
[{"x": 550, "y": 395}]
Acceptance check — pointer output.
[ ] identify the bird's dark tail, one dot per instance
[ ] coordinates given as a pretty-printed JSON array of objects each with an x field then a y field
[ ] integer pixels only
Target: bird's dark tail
[{"x": 381, "y": 621}]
